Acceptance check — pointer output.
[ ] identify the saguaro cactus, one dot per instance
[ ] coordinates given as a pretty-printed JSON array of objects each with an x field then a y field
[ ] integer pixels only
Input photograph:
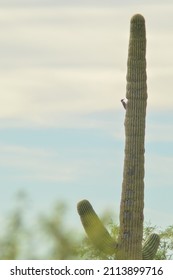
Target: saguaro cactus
[{"x": 132, "y": 198}]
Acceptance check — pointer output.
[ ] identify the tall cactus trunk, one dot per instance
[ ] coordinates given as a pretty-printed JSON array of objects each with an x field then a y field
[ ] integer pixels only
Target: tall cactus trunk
[
  {"x": 132, "y": 197},
  {"x": 129, "y": 245}
]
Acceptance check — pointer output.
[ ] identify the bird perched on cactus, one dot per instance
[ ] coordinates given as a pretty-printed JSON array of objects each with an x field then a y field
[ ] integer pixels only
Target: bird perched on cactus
[{"x": 124, "y": 102}]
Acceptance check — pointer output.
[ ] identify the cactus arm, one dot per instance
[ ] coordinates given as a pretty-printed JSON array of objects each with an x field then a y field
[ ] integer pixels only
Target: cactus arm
[
  {"x": 94, "y": 228},
  {"x": 150, "y": 247},
  {"x": 132, "y": 197}
]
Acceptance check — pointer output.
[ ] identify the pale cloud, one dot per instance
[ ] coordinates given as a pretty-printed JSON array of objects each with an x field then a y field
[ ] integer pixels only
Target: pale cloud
[
  {"x": 52, "y": 96},
  {"x": 58, "y": 64},
  {"x": 28, "y": 163}
]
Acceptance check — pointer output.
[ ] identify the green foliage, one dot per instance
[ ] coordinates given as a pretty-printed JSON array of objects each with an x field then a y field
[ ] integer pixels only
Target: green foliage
[
  {"x": 14, "y": 235},
  {"x": 10, "y": 240},
  {"x": 164, "y": 248},
  {"x": 49, "y": 236},
  {"x": 44, "y": 237},
  {"x": 62, "y": 241}
]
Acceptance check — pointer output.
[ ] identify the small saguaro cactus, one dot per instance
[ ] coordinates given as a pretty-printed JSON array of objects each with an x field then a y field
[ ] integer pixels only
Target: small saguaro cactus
[
  {"x": 129, "y": 245},
  {"x": 150, "y": 247},
  {"x": 95, "y": 229}
]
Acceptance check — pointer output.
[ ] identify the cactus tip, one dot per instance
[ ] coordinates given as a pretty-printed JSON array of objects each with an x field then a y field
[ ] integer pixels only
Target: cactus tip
[
  {"x": 84, "y": 206},
  {"x": 137, "y": 17}
]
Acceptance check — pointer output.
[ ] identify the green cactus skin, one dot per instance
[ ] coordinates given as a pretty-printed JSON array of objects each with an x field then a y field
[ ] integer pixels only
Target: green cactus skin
[
  {"x": 150, "y": 247},
  {"x": 132, "y": 197},
  {"x": 94, "y": 228}
]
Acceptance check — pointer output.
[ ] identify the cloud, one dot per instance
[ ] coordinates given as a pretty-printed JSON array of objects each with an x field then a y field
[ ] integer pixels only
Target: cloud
[
  {"x": 59, "y": 64},
  {"x": 26, "y": 163},
  {"x": 50, "y": 96},
  {"x": 60, "y": 37}
]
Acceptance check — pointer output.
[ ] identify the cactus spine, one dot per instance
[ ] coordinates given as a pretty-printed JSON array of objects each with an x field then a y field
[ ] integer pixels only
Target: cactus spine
[{"x": 132, "y": 198}]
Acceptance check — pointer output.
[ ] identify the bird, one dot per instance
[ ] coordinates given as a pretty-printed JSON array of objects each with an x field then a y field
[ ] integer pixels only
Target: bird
[{"x": 124, "y": 102}]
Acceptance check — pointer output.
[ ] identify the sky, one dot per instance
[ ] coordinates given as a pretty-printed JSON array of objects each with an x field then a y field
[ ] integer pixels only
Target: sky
[{"x": 62, "y": 75}]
